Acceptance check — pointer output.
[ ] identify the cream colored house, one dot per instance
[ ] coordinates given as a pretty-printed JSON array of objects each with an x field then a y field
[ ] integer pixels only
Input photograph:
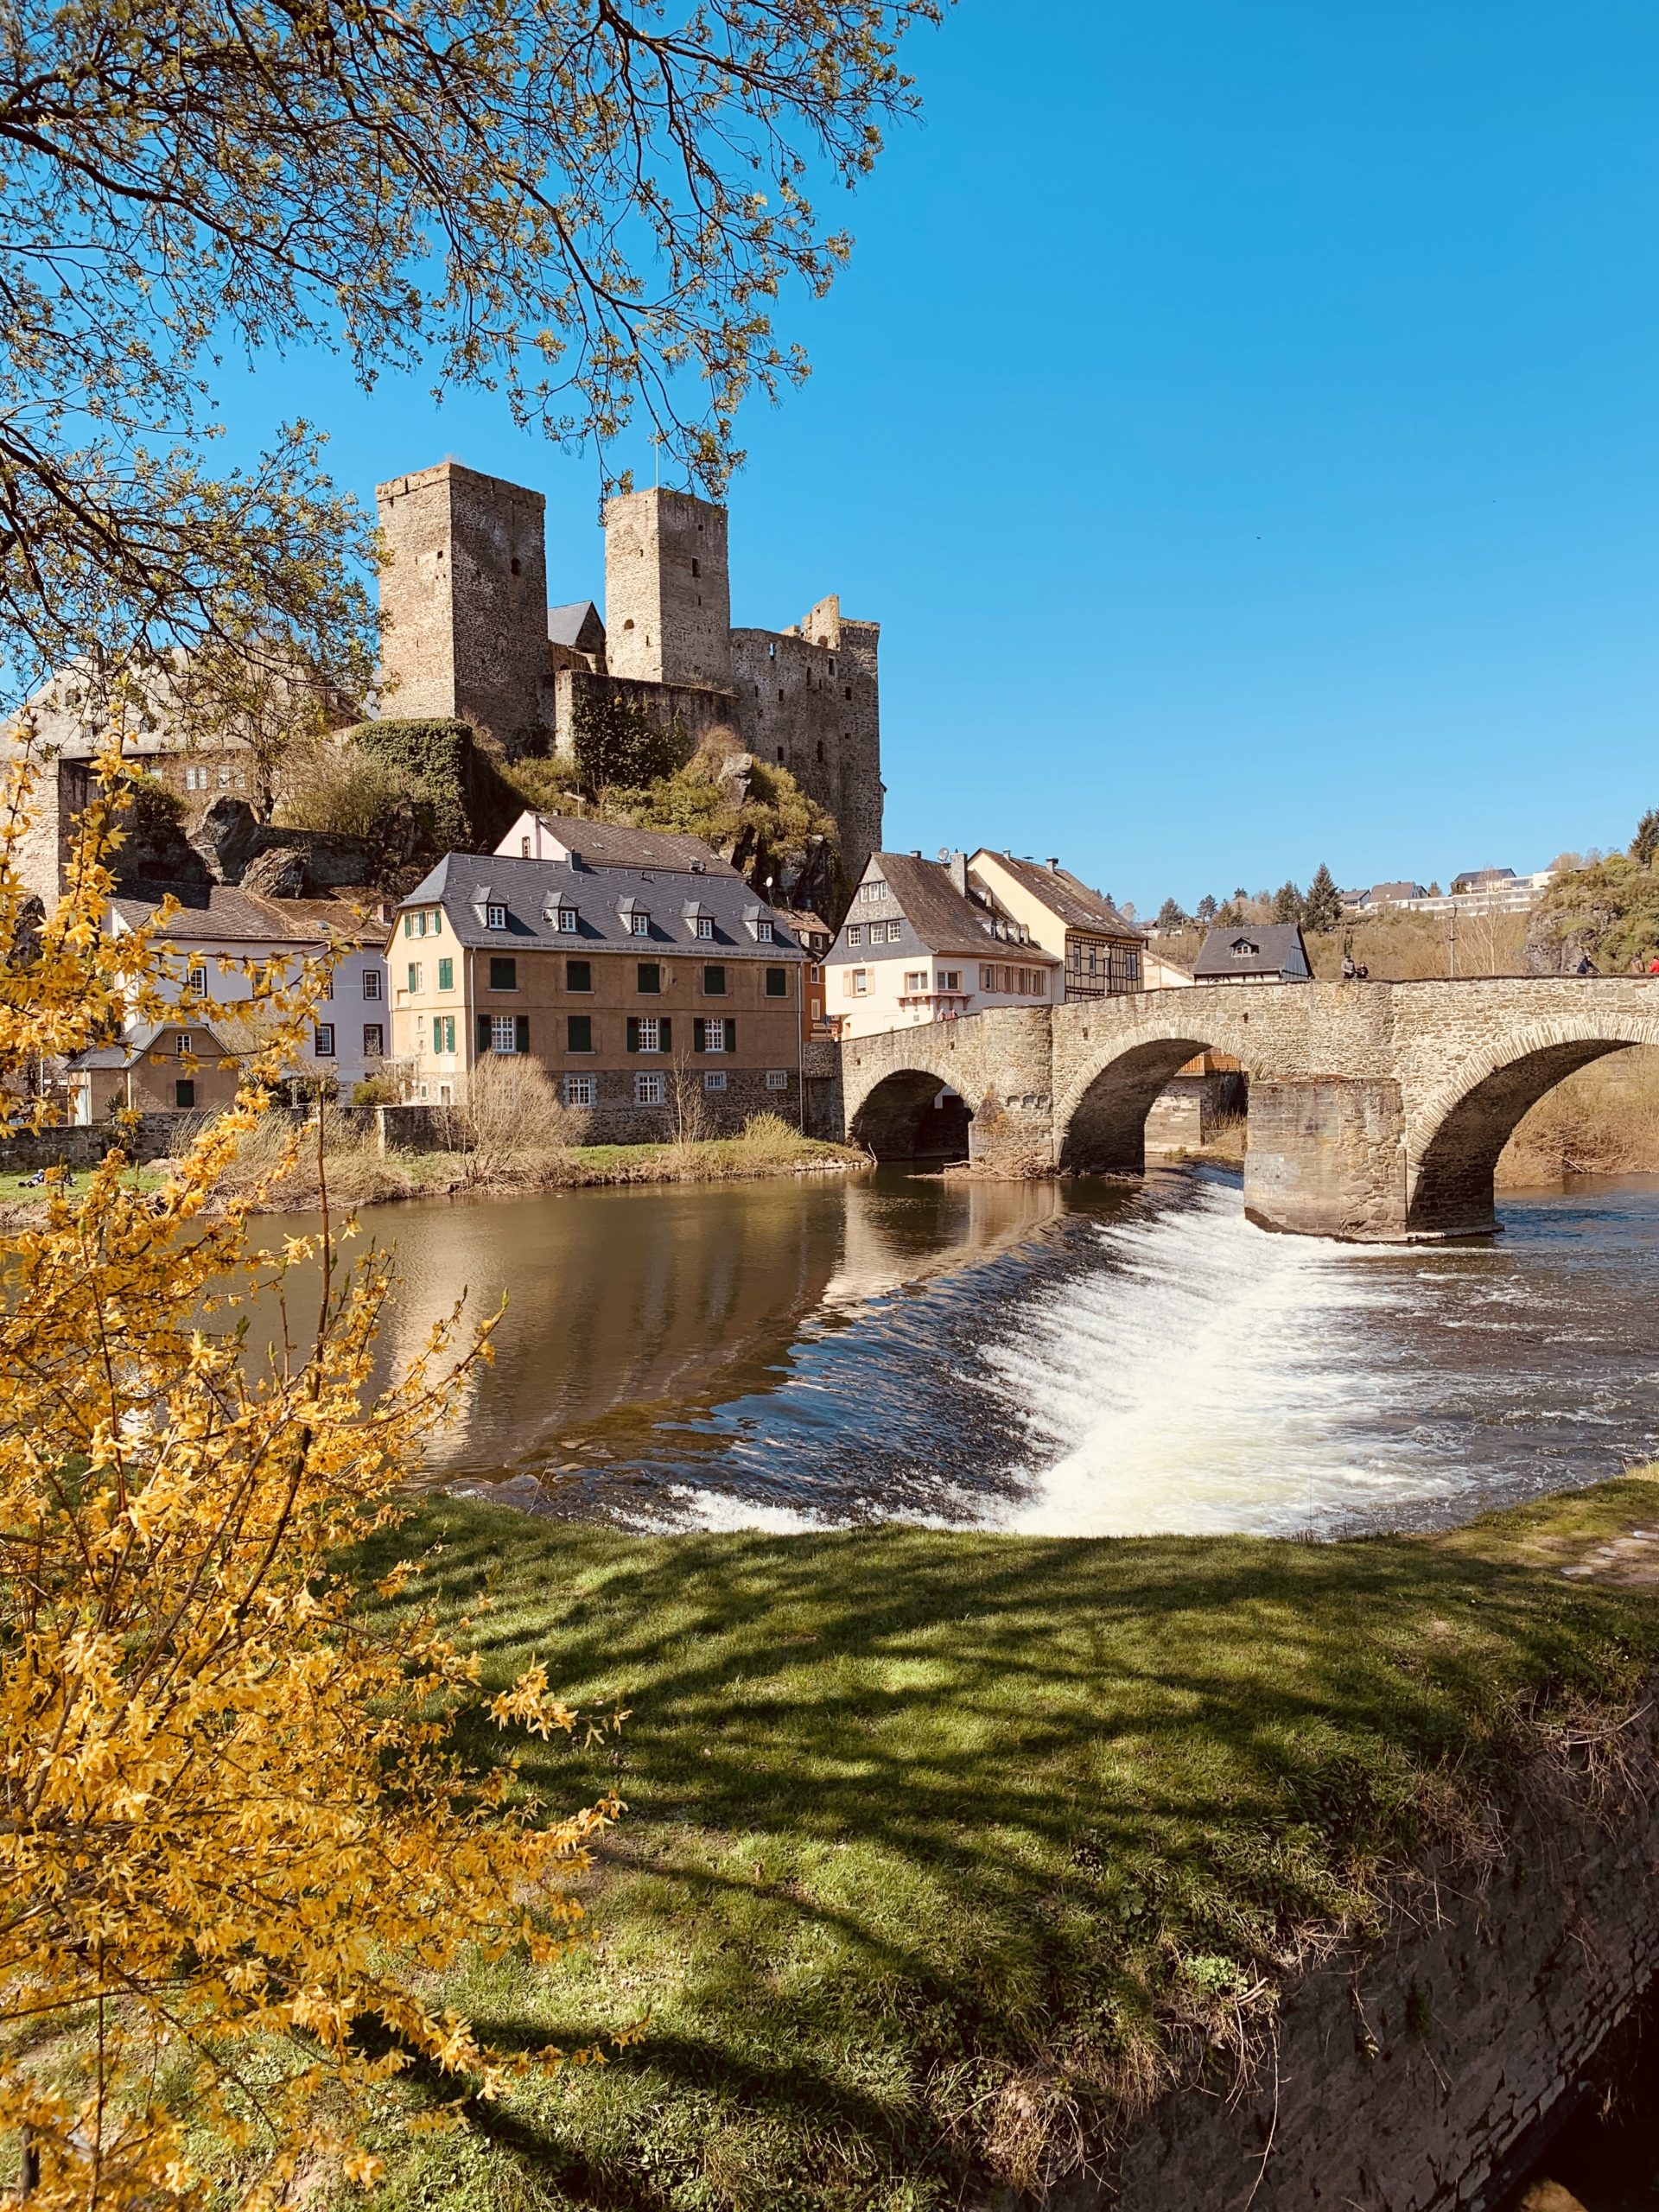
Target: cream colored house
[
  {"x": 920, "y": 944},
  {"x": 1102, "y": 951}
]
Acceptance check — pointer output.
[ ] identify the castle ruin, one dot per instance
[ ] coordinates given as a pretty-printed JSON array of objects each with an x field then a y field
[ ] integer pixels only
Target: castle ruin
[{"x": 468, "y": 635}]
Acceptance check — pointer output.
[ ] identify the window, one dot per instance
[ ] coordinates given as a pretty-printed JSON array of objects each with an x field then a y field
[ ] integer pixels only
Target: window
[
  {"x": 495, "y": 918},
  {"x": 524, "y": 849},
  {"x": 816, "y": 971},
  {"x": 374, "y": 1040},
  {"x": 181, "y": 1043},
  {"x": 581, "y": 1091},
  {"x": 649, "y": 975},
  {"x": 414, "y": 975},
  {"x": 323, "y": 1040},
  {"x": 504, "y": 975},
  {"x": 858, "y": 983},
  {"x": 818, "y": 1009},
  {"x": 763, "y": 930},
  {"x": 705, "y": 926},
  {"x": 579, "y": 1034},
  {"x": 777, "y": 1079},
  {"x": 915, "y": 981},
  {"x": 640, "y": 925},
  {"x": 370, "y": 983},
  {"x": 712, "y": 1036},
  {"x": 854, "y": 932},
  {"x": 503, "y": 1033},
  {"x": 184, "y": 1092},
  {"x": 874, "y": 890},
  {"x": 648, "y": 1090},
  {"x": 447, "y": 974},
  {"x": 437, "y": 924},
  {"x": 713, "y": 982},
  {"x": 419, "y": 1032},
  {"x": 714, "y": 1079},
  {"x": 777, "y": 982},
  {"x": 564, "y": 920},
  {"x": 579, "y": 974},
  {"x": 949, "y": 979},
  {"x": 986, "y": 979},
  {"x": 893, "y": 928},
  {"x": 443, "y": 1032},
  {"x": 198, "y": 983},
  {"x": 644, "y": 1033}
]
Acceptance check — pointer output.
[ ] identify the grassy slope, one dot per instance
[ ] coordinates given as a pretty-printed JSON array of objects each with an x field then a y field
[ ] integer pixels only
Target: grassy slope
[{"x": 943, "y": 1848}]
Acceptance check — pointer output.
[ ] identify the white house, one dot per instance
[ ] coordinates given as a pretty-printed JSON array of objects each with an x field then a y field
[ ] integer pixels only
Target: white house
[{"x": 918, "y": 944}]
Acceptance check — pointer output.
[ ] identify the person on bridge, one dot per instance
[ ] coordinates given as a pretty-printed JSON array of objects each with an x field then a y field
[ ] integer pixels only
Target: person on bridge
[
  {"x": 1582, "y": 966},
  {"x": 1653, "y": 965}
]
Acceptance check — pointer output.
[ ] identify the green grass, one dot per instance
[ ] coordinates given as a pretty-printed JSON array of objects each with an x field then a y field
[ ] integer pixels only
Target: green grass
[
  {"x": 21, "y": 1188},
  {"x": 946, "y": 1851}
]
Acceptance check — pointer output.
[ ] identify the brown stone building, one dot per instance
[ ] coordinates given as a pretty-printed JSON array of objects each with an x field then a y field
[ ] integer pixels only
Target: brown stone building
[
  {"x": 469, "y": 634},
  {"x": 656, "y": 997},
  {"x": 170, "y": 1067}
]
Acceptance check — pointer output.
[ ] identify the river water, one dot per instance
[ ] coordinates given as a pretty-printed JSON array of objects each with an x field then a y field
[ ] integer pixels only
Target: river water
[{"x": 1071, "y": 1359}]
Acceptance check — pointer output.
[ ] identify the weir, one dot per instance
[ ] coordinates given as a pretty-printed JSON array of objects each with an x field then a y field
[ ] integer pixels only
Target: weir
[{"x": 1377, "y": 1111}]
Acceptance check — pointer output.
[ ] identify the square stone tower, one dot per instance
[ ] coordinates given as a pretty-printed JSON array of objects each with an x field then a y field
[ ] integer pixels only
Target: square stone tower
[
  {"x": 668, "y": 601},
  {"x": 464, "y": 601}
]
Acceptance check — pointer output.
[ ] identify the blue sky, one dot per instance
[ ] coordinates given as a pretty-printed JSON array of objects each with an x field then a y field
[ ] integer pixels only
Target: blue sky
[{"x": 1245, "y": 424}]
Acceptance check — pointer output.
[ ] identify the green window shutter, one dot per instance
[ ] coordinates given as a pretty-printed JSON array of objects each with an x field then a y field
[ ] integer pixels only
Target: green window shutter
[
  {"x": 665, "y": 1031},
  {"x": 777, "y": 982},
  {"x": 579, "y": 1032},
  {"x": 446, "y": 975},
  {"x": 437, "y": 924},
  {"x": 731, "y": 1034},
  {"x": 483, "y": 1033},
  {"x": 524, "y": 1032},
  {"x": 699, "y": 1034},
  {"x": 634, "y": 1032},
  {"x": 409, "y": 925}
]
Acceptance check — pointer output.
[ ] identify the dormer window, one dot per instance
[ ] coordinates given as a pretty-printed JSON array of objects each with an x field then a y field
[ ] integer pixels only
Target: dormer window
[
  {"x": 640, "y": 922},
  {"x": 566, "y": 922},
  {"x": 705, "y": 926},
  {"x": 763, "y": 931},
  {"x": 495, "y": 917},
  {"x": 1244, "y": 949}
]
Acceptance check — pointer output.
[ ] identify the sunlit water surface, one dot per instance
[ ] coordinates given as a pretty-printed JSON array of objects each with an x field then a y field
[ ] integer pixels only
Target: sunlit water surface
[{"x": 1052, "y": 1359}]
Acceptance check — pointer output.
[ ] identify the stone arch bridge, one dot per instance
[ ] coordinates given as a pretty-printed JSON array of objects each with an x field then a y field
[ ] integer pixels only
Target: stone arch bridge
[{"x": 1377, "y": 1111}]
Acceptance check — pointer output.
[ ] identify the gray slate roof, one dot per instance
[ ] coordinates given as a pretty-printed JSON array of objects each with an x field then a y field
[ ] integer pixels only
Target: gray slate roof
[
  {"x": 1277, "y": 949},
  {"x": 611, "y": 844},
  {"x": 1386, "y": 894},
  {"x": 129, "y": 1049},
  {"x": 243, "y": 918},
  {"x": 1069, "y": 898},
  {"x": 463, "y": 883},
  {"x": 577, "y": 626},
  {"x": 923, "y": 894}
]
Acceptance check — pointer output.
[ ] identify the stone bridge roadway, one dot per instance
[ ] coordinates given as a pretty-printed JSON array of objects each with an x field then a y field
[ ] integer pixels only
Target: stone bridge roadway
[{"x": 1377, "y": 1111}]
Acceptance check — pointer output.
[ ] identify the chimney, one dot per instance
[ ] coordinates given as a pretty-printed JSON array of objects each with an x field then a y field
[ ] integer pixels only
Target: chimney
[
  {"x": 959, "y": 871},
  {"x": 1055, "y": 865}
]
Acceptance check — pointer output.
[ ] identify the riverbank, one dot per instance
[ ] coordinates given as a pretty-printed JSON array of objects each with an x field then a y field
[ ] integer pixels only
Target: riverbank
[
  {"x": 946, "y": 1853},
  {"x": 358, "y": 1174}
]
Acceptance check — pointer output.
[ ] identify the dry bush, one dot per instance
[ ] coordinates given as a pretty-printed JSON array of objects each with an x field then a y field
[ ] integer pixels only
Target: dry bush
[
  {"x": 1406, "y": 948},
  {"x": 512, "y": 1111},
  {"x": 341, "y": 788},
  {"x": 1604, "y": 1121},
  {"x": 766, "y": 1137}
]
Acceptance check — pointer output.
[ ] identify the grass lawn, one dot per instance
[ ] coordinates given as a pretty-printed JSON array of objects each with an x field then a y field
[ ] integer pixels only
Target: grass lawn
[
  {"x": 945, "y": 1850},
  {"x": 23, "y": 1188}
]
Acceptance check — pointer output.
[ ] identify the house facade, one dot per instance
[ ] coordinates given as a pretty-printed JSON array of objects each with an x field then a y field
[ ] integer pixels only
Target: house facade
[
  {"x": 1254, "y": 953},
  {"x": 652, "y": 996},
  {"x": 1102, "y": 951},
  {"x": 918, "y": 945},
  {"x": 209, "y": 943},
  {"x": 168, "y": 1067}
]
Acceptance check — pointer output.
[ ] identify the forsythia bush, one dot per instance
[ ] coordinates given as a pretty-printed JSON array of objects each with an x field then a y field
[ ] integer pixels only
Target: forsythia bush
[{"x": 236, "y": 1839}]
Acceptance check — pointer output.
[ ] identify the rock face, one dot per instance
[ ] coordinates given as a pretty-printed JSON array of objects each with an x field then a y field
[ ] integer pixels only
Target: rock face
[{"x": 231, "y": 845}]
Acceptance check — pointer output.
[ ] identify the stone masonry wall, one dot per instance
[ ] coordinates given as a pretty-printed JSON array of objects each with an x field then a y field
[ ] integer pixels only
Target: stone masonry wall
[{"x": 1427, "y": 2077}]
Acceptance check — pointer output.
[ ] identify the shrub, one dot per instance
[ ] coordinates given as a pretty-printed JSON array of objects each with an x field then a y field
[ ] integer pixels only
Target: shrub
[
  {"x": 512, "y": 1108},
  {"x": 344, "y": 790},
  {"x": 435, "y": 755}
]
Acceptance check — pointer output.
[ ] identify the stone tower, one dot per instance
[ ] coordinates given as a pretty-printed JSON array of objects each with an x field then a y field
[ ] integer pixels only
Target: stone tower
[
  {"x": 464, "y": 601},
  {"x": 668, "y": 601}
]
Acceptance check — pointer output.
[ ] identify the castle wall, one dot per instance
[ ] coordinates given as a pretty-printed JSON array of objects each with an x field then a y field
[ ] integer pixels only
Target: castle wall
[{"x": 668, "y": 599}]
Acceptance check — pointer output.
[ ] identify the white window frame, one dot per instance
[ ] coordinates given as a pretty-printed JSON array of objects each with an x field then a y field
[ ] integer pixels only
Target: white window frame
[
  {"x": 856, "y": 933},
  {"x": 374, "y": 1040},
  {"x": 184, "y": 1048},
  {"x": 495, "y": 916},
  {"x": 649, "y": 1090},
  {"x": 322, "y": 1042},
  {"x": 639, "y": 925},
  {"x": 503, "y": 1033},
  {"x": 714, "y": 1079},
  {"x": 714, "y": 1033},
  {"x": 915, "y": 981},
  {"x": 581, "y": 1091},
  {"x": 763, "y": 932},
  {"x": 705, "y": 926},
  {"x": 777, "y": 1078},
  {"x": 858, "y": 983},
  {"x": 653, "y": 1023},
  {"x": 198, "y": 980},
  {"x": 372, "y": 985}
]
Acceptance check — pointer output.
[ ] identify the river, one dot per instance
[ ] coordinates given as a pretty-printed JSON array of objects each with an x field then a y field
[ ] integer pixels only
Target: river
[{"x": 1053, "y": 1358}]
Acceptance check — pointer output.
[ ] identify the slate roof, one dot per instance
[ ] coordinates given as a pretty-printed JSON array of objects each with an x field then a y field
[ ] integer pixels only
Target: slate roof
[
  {"x": 923, "y": 894},
  {"x": 609, "y": 844},
  {"x": 1382, "y": 894},
  {"x": 242, "y": 917},
  {"x": 462, "y": 883},
  {"x": 1274, "y": 944},
  {"x": 1068, "y": 897},
  {"x": 577, "y": 626}
]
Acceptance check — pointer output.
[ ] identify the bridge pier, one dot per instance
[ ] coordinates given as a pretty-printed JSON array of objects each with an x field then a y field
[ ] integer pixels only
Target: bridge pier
[{"x": 1327, "y": 1158}]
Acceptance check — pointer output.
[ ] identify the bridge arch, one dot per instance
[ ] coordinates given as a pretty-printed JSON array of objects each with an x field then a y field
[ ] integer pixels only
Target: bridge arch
[
  {"x": 1456, "y": 1130},
  {"x": 912, "y": 1113},
  {"x": 1104, "y": 1128}
]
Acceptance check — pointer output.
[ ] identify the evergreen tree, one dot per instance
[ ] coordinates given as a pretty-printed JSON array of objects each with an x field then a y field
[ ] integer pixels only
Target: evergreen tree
[
  {"x": 1287, "y": 903},
  {"x": 1322, "y": 909},
  {"x": 1207, "y": 909},
  {"x": 1644, "y": 846},
  {"x": 1171, "y": 916}
]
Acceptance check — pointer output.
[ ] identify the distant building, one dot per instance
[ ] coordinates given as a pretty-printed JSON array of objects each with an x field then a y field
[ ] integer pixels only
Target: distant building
[
  {"x": 654, "y": 997},
  {"x": 1387, "y": 894},
  {"x": 583, "y": 843},
  {"x": 1102, "y": 952},
  {"x": 918, "y": 945},
  {"x": 1477, "y": 891},
  {"x": 160, "y": 1067},
  {"x": 1252, "y": 952}
]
